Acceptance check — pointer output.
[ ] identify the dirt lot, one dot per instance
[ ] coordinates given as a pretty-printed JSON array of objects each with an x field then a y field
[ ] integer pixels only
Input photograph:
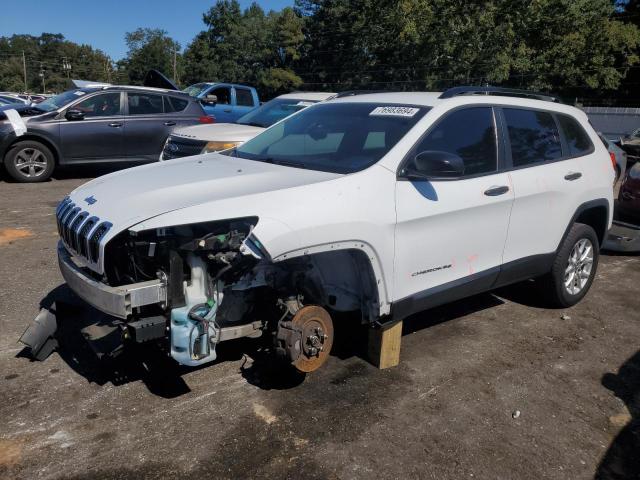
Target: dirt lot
[{"x": 491, "y": 387}]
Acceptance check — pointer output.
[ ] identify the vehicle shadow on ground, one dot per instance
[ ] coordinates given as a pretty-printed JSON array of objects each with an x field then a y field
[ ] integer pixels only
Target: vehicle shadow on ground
[
  {"x": 622, "y": 459},
  {"x": 151, "y": 363},
  {"x": 530, "y": 293}
]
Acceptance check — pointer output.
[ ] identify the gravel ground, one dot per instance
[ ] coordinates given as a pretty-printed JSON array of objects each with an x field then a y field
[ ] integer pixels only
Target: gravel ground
[{"x": 495, "y": 386}]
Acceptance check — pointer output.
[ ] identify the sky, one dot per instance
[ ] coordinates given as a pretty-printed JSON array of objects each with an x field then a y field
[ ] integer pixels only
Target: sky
[{"x": 102, "y": 24}]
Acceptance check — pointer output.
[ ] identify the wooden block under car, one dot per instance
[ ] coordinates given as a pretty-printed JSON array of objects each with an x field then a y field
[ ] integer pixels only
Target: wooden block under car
[{"x": 383, "y": 348}]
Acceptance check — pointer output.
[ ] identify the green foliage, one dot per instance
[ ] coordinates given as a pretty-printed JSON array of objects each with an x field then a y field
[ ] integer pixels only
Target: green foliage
[
  {"x": 248, "y": 46},
  {"x": 150, "y": 49},
  {"x": 561, "y": 45},
  {"x": 45, "y": 54},
  {"x": 568, "y": 46}
]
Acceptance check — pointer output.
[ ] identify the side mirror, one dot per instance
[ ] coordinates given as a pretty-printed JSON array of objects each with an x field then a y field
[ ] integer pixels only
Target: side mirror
[
  {"x": 434, "y": 165},
  {"x": 211, "y": 99},
  {"x": 73, "y": 115}
]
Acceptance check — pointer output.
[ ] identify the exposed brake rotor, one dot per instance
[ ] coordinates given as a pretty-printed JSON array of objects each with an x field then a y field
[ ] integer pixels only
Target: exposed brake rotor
[{"x": 308, "y": 338}]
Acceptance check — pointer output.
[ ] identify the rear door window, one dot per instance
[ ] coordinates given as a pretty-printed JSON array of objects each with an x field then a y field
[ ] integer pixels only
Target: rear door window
[
  {"x": 244, "y": 97},
  {"x": 578, "y": 141},
  {"x": 172, "y": 104},
  {"x": 469, "y": 133},
  {"x": 144, "y": 103},
  {"x": 533, "y": 135}
]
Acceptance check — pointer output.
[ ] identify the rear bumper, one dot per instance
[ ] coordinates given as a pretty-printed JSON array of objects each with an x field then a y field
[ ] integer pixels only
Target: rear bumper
[{"x": 117, "y": 301}]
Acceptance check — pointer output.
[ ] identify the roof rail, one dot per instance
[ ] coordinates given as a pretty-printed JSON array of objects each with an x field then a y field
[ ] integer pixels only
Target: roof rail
[
  {"x": 353, "y": 93},
  {"x": 500, "y": 91}
]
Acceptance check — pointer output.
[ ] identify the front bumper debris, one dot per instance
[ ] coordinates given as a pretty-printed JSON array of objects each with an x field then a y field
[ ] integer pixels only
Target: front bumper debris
[
  {"x": 117, "y": 301},
  {"x": 40, "y": 335}
]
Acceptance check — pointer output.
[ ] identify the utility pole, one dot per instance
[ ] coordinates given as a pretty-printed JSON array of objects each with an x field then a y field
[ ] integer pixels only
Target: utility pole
[
  {"x": 175, "y": 64},
  {"x": 24, "y": 69},
  {"x": 41, "y": 74},
  {"x": 107, "y": 69},
  {"x": 66, "y": 66}
]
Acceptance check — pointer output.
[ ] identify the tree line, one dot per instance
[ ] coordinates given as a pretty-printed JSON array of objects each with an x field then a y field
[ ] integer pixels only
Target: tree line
[{"x": 587, "y": 48}]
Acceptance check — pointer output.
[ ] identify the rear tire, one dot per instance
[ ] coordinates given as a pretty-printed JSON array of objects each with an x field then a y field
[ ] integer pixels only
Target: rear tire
[
  {"x": 574, "y": 267},
  {"x": 29, "y": 162}
]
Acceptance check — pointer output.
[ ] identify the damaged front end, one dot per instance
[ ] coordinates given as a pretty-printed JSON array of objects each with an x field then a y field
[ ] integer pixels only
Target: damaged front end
[
  {"x": 195, "y": 268},
  {"x": 190, "y": 287}
]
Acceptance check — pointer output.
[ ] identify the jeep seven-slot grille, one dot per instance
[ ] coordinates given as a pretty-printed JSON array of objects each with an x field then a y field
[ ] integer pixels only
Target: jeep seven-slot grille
[{"x": 80, "y": 232}]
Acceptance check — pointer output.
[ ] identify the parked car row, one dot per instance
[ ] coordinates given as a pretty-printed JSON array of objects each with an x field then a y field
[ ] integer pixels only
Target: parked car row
[
  {"x": 88, "y": 125},
  {"x": 631, "y": 145},
  {"x": 221, "y": 136},
  {"x": 107, "y": 123}
]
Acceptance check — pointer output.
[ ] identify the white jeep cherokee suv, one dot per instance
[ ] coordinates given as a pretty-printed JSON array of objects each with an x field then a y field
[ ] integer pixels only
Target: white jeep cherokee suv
[{"x": 385, "y": 204}]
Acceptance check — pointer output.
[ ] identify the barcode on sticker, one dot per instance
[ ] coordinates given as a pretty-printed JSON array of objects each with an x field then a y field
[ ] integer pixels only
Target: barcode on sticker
[{"x": 395, "y": 111}]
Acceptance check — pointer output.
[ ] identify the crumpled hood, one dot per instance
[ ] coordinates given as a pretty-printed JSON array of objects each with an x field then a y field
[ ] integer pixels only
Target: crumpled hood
[
  {"x": 130, "y": 196},
  {"x": 219, "y": 132}
]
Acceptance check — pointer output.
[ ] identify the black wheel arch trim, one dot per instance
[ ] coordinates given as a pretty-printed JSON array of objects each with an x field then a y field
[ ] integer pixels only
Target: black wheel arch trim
[
  {"x": 35, "y": 137},
  {"x": 597, "y": 203}
]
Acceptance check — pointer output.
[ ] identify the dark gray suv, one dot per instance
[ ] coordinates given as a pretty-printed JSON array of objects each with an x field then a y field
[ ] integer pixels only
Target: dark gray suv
[{"x": 89, "y": 125}]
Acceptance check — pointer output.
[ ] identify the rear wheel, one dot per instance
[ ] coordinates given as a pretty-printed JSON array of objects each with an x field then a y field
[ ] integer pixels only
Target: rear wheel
[
  {"x": 29, "y": 161},
  {"x": 575, "y": 266}
]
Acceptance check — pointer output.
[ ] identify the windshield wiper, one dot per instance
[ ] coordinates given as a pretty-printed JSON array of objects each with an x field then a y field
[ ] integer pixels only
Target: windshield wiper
[
  {"x": 285, "y": 163},
  {"x": 252, "y": 124}
]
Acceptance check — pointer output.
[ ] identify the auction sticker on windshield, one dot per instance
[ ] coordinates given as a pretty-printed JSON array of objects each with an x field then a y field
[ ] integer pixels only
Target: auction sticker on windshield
[{"x": 394, "y": 111}]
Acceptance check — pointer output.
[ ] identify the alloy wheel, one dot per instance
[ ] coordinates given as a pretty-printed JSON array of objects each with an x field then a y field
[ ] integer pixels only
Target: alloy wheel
[
  {"x": 30, "y": 162},
  {"x": 579, "y": 266}
]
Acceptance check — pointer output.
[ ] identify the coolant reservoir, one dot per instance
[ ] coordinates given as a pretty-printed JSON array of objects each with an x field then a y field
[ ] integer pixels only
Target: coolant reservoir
[{"x": 189, "y": 344}]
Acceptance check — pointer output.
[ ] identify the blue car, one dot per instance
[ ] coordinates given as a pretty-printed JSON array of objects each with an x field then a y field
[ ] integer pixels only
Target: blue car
[{"x": 225, "y": 101}]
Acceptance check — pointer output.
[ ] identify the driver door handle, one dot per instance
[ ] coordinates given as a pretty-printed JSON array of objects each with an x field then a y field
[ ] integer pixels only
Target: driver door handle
[
  {"x": 572, "y": 176},
  {"x": 170, "y": 123},
  {"x": 228, "y": 111},
  {"x": 495, "y": 191},
  {"x": 115, "y": 124}
]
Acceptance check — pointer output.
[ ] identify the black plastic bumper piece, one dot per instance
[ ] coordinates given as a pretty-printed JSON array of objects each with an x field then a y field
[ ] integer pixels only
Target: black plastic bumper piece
[
  {"x": 40, "y": 335},
  {"x": 149, "y": 328}
]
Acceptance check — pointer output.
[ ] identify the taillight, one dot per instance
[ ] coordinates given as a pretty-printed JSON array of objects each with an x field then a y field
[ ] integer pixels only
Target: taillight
[
  {"x": 614, "y": 164},
  {"x": 207, "y": 119}
]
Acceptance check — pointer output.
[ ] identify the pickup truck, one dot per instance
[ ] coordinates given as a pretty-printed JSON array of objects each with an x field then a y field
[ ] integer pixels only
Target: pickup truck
[{"x": 225, "y": 101}]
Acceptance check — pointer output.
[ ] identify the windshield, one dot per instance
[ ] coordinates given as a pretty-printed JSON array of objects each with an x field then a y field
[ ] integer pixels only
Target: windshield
[
  {"x": 54, "y": 103},
  {"x": 274, "y": 111},
  {"x": 196, "y": 89},
  {"x": 333, "y": 137}
]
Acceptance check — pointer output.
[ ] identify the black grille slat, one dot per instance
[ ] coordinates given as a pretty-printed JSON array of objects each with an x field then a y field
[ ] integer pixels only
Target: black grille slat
[
  {"x": 61, "y": 215},
  {"x": 66, "y": 225},
  {"x": 83, "y": 236},
  {"x": 94, "y": 240},
  {"x": 75, "y": 227}
]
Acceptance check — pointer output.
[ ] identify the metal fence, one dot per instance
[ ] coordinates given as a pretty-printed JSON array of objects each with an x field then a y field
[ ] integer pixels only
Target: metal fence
[{"x": 614, "y": 122}]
